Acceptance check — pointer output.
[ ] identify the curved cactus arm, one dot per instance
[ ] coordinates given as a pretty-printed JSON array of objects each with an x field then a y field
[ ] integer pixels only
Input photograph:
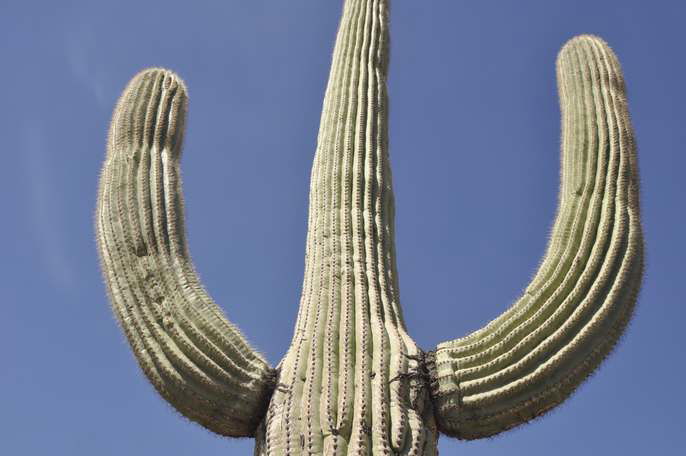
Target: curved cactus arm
[
  {"x": 194, "y": 357},
  {"x": 537, "y": 353}
]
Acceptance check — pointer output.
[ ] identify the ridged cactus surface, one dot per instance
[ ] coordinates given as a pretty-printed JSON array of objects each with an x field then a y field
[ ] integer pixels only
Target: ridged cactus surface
[
  {"x": 534, "y": 355},
  {"x": 348, "y": 383},
  {"x": 353, "y": 382},
  {"x": 196, "y": 359}
]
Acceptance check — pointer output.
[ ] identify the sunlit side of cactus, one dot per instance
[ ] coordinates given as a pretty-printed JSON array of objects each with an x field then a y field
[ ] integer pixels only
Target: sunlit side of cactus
[
  {"x": 353, "y": 382},
  {"x": 534, "y": 356}
]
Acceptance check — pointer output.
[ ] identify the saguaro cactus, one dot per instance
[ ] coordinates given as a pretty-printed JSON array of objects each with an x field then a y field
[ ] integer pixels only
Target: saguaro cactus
[{"x": 353, "y": 381}]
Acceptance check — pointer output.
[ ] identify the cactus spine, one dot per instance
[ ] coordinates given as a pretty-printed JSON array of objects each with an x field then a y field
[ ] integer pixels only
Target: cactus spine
[{"x": 353, "y": 382}]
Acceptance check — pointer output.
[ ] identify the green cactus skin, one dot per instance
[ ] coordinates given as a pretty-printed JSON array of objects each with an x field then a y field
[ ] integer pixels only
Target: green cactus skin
[
  {"x": 348, "y": 383},
  {"x": 534, "y": 356},
  {"x": 353, "y": 382},
  {"x": 196, "y": 360}
]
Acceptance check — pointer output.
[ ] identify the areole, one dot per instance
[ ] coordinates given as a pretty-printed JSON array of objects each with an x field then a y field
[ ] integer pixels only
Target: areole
[{"x": 353, "y": 381}]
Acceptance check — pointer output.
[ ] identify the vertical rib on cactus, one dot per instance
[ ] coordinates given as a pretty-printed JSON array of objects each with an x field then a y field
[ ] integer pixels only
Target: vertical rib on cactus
[
  {"x": 535, "y": 355},
  {"x": 195, "y": 359},
  {"x": 346, "y": 383}
]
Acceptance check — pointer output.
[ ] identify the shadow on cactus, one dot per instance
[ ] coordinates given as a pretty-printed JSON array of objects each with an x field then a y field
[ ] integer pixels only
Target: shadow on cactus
[{"x": 353, "y": 381}]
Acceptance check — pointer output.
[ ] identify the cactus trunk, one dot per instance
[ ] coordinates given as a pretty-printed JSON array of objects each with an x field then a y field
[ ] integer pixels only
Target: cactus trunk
[{"x": 350, "y": 381}]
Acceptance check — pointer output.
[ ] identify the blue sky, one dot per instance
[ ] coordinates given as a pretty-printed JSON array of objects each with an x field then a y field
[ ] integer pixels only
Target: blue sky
[{"x": 474, "y": 139}]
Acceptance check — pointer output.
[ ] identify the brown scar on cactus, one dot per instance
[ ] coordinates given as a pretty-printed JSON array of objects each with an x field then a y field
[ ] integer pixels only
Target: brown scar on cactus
[{"x": 353, "y": 381}]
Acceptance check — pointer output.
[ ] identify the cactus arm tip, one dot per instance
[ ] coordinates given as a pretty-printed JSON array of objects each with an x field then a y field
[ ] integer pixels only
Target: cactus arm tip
[
  {"x": 572, "y": 314},
  {"x": 198, "y": 361}
]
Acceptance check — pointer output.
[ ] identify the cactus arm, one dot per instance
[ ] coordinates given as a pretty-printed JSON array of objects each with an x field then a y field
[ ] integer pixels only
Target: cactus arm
[
  {"x": 537, "y": 353},
  {"x": 198, "y": 361}
]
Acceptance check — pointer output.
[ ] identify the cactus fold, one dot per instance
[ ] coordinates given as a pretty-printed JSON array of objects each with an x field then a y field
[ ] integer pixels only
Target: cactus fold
[{"x": 353, "y": 381}]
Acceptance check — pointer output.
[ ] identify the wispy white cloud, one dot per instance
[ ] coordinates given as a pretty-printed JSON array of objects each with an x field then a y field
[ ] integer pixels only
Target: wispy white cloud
[
  {"x": 81, "y": 53},
  {"x": 44, "y": 209}
]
